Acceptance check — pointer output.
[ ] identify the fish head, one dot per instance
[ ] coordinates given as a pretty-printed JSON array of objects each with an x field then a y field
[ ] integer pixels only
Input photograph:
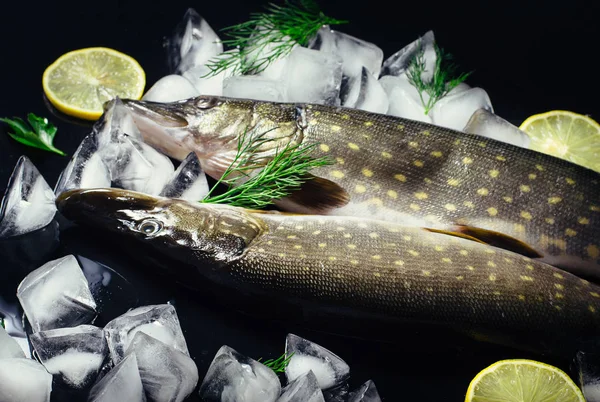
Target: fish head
[
  {"x": 211, "y": 233},
  {"x": 212, "y": 127}
]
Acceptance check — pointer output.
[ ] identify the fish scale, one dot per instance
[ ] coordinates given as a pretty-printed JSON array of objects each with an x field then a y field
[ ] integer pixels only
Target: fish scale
[
  {"x": 404, "y": 171},
  {"x": 367, "y": 267}
]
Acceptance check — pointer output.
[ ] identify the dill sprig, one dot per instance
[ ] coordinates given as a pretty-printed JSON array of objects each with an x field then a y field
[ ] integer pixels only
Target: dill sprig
[
  {"x": 278, "y": 365},
  {"x": 444, "y": 76},
  {"x": 279, "y": 28},
  {"x": 286, "y": 172}
]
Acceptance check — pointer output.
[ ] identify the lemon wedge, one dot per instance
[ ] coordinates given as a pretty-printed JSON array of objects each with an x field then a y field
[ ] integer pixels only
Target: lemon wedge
[
  {"x": 566, "y": 135},
  {"x": 79, "y": 82},
  {"x": 523, "y": 381}
]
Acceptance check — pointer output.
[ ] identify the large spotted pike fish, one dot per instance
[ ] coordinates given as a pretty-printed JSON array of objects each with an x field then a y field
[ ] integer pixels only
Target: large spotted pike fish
[
  {"x": 400, "y": 170},
  {"x": 355, "y": 266}
]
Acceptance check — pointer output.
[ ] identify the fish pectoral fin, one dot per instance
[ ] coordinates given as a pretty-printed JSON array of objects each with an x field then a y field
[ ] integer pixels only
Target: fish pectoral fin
[
  {"x": 456, "y": 234},
  {"x": 497, "y": 239},
  {"x": 316, "y": 196}
]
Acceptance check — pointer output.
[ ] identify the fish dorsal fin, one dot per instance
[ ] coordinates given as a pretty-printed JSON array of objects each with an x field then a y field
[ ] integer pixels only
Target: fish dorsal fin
[
  {"x": 316, "y": 196},
  {"x": 497, "y": 239},
  {"x": 455, "y": 234}
]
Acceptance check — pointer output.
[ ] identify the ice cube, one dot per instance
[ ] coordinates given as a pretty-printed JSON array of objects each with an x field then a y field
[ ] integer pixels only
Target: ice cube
[
  {"x": 207, "y": 83},
  {"x": 331, "y": 371},
  {"x": 192, "y": 43},
  {"x": 56, "y": 295},
  {"x": 355, "y": 53},
  {"x": 121, "y": 383},
  {"x": 73, "y": 355},
  {"x": 455, "y": 109},
  {"x": 167, "y": 374},
  {"x": 171, "y": 88},
  {"x": 365, "y": 393},
  {"x": 364, "y": 92},
  {"x": 587, "y": 365},
  {"x": 189, "y": 181},
  {"x": 489, "y": 125},
  {"x": 254, "y": 87},
  {"x": 398, "y": 63},
  {"x": 263, "y": 45},
  {"x": 303, "y": 389},
  {"x": 8, "y": 346},
  {"x": 24, "y": 380},
  {"x": 311, "y": 76},
  {"x": 85, "y": 169},
  {"x": 233, "y": 377},
  {"x": 404, "y": 100},
  {"x": 28, "y": 202},
  {"x": 159, "y": 321}
]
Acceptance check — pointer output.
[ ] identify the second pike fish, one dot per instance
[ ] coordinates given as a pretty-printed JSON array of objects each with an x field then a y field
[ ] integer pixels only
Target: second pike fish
[
  {"x": 356, "y": 267},
  {"x": 404, "y": 171}
]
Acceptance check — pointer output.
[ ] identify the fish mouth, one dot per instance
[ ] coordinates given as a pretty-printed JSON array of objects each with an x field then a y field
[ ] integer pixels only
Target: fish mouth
[
  {"x": 104, "y": 207},
  {"x": 168, "y": 115}
]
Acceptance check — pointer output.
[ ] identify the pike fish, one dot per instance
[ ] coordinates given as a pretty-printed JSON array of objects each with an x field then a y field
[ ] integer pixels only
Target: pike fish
[
  {"x": 398, "y": 170},
  {"x": 355, "y": 266}
]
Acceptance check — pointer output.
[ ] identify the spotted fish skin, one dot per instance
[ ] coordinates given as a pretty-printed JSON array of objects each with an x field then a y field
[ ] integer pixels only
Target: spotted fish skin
[
  {"x": 366, "y": 266},
  {"x": 406, "y": 171}
]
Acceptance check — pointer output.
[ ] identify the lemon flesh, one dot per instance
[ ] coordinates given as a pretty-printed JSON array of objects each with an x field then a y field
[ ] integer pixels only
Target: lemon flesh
[
  {"x": 79, "y": 82},
  {"x": 522, "y": 381},
  {"x": 566, "y": 135}
]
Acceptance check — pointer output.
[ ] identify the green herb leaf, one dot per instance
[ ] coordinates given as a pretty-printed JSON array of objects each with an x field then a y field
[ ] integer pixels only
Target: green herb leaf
[
  {"x": 444, "y": 76},
  {"x": 2, "y": 323},
  {"x": 280, "y": 28},
  {"x": 40, "y": 135},
  {"x": 286, "y": 172},
  {"x": 278, "y": 365}
]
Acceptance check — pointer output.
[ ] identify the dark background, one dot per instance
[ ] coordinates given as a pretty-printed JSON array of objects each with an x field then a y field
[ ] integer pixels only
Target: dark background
[{"x": 530, "y": 57}]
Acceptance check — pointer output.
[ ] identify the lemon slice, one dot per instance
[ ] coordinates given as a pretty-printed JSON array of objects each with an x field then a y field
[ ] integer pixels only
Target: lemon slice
[
  {"x": 78, "y": 83},
  {"x": 566, "y": 135},
  {"x": 522, "y": 381}
]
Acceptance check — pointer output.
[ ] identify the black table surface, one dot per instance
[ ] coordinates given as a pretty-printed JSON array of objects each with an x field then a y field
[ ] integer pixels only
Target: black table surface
[{"x": 530, "y": 57}]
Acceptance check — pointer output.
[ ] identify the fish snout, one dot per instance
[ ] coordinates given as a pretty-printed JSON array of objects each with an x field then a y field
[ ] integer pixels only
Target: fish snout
[{"x": 170, "y": 114}]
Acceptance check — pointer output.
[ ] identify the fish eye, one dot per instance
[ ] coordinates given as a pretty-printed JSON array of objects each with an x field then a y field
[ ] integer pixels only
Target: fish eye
[
  {"x": 150, "y": 227},
  {"x": 207, "y": 103}
]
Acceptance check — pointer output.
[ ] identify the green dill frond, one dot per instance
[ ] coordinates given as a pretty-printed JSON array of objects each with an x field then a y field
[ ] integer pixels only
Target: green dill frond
[
  {"x": 278, "y": 29},
  {"x": 278, "y": 365},
  {"x": 283, "y": 174},
  {"x": 444, "y": 76}
]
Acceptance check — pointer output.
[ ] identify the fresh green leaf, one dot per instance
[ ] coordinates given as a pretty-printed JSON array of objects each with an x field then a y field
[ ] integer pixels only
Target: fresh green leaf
[
  {"x": 278, "y": 365},
  {"x": 279, "y": 27},
  {"x": 286, "y": 172},
  {"x": 444, "y": 76},
  {"x": 2, "y": 323},
  {"x": 40, "y": 135}
]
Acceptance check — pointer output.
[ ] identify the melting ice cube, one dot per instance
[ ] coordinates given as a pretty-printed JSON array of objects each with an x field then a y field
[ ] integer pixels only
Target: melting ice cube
[
  {"x": 487, "y": 124},
  {"x": 85, "y": 169},
  {"x": 364, "y": 92},
  {"x": 24, "y": 380},
  {"x": 303, "y": 389},
  {"x": 28, "y": 203},
  {"x": 56, "y": 295},
  {"x": 121, "y": 383},
  {"x": 73, "y": 355},
  {"x": 398, "y": 63},
  {"x": 8, "y": 346},
  {"x": 171, "y": 88},
  {"x": 455, "y": 109},
  {"x": 587, "y": 365},
  {"x": 311, "y": 76},
  {"x": 189, "y": 181},
  {"x": 159, "y": 321},
  {"x": 167, "y": 374},
  {"x": 365, "y": 393},
  {"x": 354, "y": 52},
  {"x": 261, "y": 46},
  {"x": 133, "y": 164},
  {"x": 233, "y": 377},
  {"x": 192, "y": 43},
  {"x": 254, "y": 87},
  {"x": 207, "y": 83},
  {"x": 404, "y": 100},
  {"x": 331, "y": 371}
]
